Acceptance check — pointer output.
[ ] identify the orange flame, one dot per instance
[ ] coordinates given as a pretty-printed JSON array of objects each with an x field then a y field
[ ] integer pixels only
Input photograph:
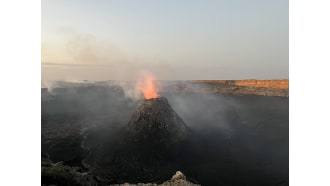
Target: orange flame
[{"x": 147, "y": 87}]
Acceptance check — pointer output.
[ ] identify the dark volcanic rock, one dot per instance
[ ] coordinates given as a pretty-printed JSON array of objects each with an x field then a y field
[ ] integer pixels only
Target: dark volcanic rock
[
  {"x": 59, "y": 174},
  {"x": 147, "y": 149},
  {"x": 156, "y": 122},
  {"x": 234, "y": 140}
]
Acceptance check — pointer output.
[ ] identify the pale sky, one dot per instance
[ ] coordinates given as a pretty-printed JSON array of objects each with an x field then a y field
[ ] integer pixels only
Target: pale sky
[{"x": 175, "y": 40}]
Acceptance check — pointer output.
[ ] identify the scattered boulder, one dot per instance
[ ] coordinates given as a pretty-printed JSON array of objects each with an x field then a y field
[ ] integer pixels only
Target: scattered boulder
[{"x": 178, "y": 179}]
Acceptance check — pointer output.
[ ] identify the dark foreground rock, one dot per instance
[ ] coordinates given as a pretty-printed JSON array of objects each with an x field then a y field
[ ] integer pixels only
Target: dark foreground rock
[
  {"x": 178, "y": 179},
  {"x": 62, "y": 175}
]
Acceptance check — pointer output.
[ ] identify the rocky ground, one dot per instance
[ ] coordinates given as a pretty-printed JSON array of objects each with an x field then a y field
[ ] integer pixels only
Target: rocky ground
[
  {"x": 178, "y": 179},
  {"x": 64, "y": 175},
  {"x": 234, "y": 139}
]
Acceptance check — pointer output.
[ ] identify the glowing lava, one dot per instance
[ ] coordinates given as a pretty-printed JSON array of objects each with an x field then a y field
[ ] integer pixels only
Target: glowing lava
[{"x": 147, "y": 87}]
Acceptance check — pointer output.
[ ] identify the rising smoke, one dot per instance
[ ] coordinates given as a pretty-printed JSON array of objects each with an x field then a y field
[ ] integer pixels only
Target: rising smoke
[{"x": 231, "y": 134}]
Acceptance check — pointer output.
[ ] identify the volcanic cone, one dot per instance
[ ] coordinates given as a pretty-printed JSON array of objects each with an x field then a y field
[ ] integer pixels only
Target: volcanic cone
[{"x": 155, "y": 121}]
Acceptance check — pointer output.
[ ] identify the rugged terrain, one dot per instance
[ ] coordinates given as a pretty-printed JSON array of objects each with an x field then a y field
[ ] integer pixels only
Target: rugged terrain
[{"x": 233, "y": 139}]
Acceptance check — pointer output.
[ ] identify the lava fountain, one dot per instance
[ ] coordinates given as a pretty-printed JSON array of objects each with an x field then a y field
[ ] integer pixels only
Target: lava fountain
[{"x": 146, "y": 85}]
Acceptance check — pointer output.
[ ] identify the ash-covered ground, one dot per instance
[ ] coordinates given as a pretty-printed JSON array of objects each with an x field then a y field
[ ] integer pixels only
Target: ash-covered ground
[{"x": 230, "y": 139}]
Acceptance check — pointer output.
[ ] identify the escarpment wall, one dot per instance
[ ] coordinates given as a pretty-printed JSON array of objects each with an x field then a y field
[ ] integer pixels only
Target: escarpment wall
[
  {"x": 249, "y": 86},
  {"x": 278, "y": 84}
]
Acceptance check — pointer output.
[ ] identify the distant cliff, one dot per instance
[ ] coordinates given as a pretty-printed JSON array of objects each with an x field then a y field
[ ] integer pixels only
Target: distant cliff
[
  {"x": 249, "y": 86},
  {"x": 278, "y": 84}
]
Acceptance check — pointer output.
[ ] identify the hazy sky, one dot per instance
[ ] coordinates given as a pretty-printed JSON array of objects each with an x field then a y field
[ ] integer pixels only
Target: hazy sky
[{"x": 195, "y": 39}]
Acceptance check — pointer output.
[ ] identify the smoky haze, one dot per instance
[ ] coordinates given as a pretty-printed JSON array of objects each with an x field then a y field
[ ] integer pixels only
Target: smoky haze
[{"x": 234, "y": 139}]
